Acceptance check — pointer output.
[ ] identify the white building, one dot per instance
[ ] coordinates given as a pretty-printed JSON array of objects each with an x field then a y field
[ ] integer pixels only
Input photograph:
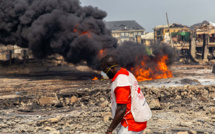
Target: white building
[{"x": 125, "y": 30}]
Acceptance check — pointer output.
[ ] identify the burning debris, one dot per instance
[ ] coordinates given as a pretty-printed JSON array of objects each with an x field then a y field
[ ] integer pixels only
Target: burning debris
[
  {"x": 159, "y": 71},
  {"x": 95, "y": 78},
  {"x": 145, "y": 64}
]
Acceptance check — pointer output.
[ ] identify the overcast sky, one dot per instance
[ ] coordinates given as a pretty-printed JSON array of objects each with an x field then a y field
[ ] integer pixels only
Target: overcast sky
[{"x": 150, "y": 13}]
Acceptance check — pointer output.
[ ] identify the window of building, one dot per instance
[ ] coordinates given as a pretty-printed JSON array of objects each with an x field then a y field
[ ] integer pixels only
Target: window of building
[
  {"x": 131, "y": 34},
  {"x": 158, "y": 32},
  {"x": 117, "y": 34},
  {"x": 135, "y": 33},
  {"x": 212, "y": 37},
  {"x": 126, "y": 34},
  {"x": 139, "y": 33},
  {"x": 122, "y": 34}
]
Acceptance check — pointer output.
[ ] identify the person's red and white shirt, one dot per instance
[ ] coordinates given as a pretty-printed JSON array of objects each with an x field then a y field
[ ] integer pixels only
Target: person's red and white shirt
[{"x": 121, "y": 94}]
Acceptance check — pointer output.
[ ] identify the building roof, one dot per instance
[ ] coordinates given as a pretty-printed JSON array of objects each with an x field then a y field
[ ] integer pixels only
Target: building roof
[
  {"x": 198, "y": 25},
  {"x": 174, "y": 25},
  {"x": 161, "y": 26},
  {"x": 148, "y": 36},
  {"x": 206, "y": 29},
  {"x": 212, "y": 23},
  {"x": 207, "y": 26},
  {"x": 123, "y": 25}
]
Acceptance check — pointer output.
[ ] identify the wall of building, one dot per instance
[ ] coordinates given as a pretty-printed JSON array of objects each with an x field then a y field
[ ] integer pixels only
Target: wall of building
[
  {"x": 129, "y": 35},
  {"x": 13, "y": 51}
]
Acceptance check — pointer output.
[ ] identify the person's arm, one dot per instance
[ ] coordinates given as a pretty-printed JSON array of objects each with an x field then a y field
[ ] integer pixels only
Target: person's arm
[
  {"x": 122, "y": 94},
  {"x": 120, "y": 112}
]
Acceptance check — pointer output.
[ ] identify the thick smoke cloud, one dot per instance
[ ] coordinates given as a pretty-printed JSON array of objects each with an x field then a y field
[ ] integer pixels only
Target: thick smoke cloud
[
  {"x": 131, "y": 54},
  {"x": 62, "y": 26},
  {"x": 55, "y": 26}
]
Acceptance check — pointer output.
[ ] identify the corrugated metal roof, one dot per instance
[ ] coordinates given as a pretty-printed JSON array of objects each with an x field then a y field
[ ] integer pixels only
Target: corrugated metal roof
[{"x": 123, "y": 25}]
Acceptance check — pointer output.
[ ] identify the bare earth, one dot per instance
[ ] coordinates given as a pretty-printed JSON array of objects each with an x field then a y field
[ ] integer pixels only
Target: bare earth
[{"x": 65, "y": 99}]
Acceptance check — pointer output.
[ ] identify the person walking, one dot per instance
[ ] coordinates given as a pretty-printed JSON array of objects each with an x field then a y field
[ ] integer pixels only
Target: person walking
[{"x": 126, "y": 99}]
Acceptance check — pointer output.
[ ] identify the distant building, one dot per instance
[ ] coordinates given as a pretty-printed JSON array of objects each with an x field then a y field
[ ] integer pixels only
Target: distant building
[
  {"x": 12, "y": 51},
  {"x": 148, "y": 38},
  {"x": 178, "y": 33},
  {"x": 206, "y": 31},
  {"x": 160, "y": 31},
  {"x": 5, "y": 52},
  {"x": 126, "y": 30}
]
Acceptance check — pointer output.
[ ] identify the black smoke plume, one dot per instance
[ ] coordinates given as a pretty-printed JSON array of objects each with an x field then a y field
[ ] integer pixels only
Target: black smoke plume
[
  {"x": 64, "y": 27},
  {"x": 55, "y": 26}
]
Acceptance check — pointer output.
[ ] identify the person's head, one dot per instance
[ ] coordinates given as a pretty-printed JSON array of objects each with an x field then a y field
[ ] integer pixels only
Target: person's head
[{"x": 109, "y": 64}]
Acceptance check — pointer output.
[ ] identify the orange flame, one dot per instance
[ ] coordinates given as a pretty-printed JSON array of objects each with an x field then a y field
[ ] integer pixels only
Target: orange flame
[
  {"x": 95, "y": 78},
  {"x": 82, "y": 33},
  {"x": 101, "y": 53},
  {"x": 160, "y": 70},
  {"x": 87, "y": 33}
]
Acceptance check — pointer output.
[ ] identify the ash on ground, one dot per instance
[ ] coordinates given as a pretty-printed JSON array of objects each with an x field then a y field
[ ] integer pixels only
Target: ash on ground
[{"x": 65, "y": 99}]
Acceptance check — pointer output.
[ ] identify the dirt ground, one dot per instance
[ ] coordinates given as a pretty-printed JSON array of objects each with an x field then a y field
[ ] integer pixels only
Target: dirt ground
[{"x": 65, "y": 99}]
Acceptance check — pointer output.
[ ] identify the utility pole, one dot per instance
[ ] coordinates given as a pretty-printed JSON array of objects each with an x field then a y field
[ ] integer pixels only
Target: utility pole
[{"x": 169, "y": 29}]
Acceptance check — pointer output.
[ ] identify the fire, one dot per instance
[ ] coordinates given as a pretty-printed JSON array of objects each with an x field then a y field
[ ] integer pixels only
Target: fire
[
  {"x": 82, "y": 33},
  {"x": 101, "y": 53},
  {"x": 95, "y": 78},
  {"x": 159, "y": 71},
  {"x": 87, "y": 33}
]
